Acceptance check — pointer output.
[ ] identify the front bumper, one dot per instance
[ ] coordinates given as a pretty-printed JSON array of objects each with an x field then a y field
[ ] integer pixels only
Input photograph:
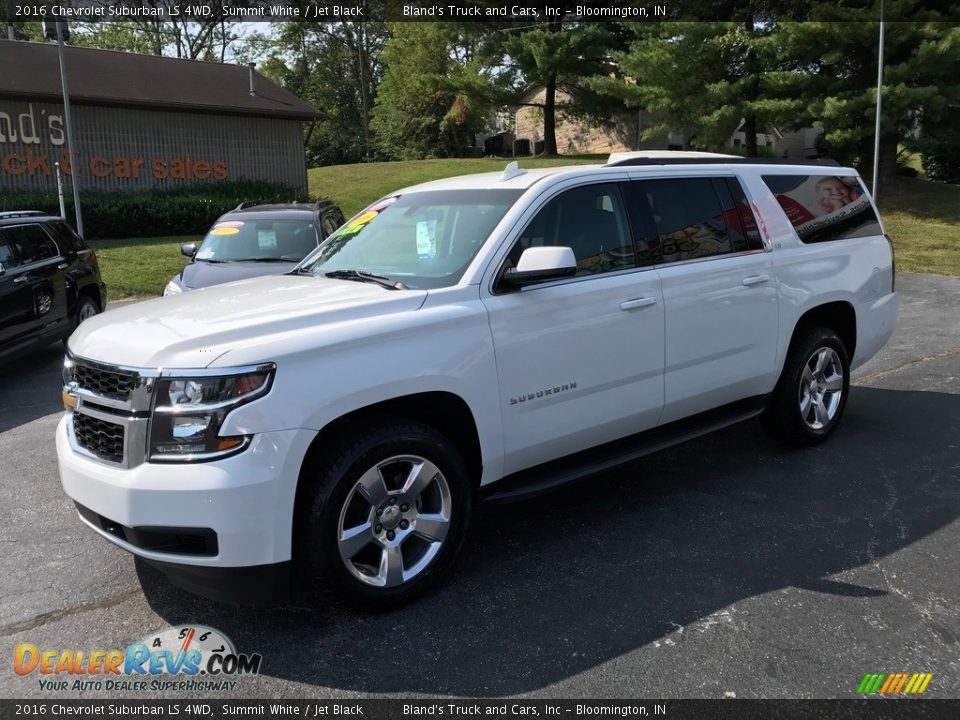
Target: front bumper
[{"x": 246, "y": 501}]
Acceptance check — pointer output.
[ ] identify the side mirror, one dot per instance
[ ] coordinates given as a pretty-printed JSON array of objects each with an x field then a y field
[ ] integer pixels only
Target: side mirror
[
  {"x": 188, "y": 249},
  {"x": 538, "y": 264}
]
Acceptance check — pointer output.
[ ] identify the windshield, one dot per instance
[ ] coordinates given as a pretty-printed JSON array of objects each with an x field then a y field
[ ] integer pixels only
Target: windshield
[
  {"x": 422, "y": 239},
  {"x": 258, "y": 240}
]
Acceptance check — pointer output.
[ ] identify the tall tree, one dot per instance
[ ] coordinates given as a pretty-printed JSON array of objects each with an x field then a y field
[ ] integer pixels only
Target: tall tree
[
  {"x": 439, "y": 89},
  {"x": 561, "y": 56},
  {"x": 705, "y": 79},
  {"x": 836, "y": 59},
  {"x": 337, "y": 68}
]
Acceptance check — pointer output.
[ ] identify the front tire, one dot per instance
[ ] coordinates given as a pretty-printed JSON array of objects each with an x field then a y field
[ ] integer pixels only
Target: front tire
[
  {"x": 812, "y": 392},
  {"x": 383, "y": 513}
]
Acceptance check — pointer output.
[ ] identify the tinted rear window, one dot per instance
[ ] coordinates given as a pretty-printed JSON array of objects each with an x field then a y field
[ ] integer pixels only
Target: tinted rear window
[
  {"x": 825, "y": 207},
  {"x": 66, "y": 237},
  {"x": 689, "y": 219}
]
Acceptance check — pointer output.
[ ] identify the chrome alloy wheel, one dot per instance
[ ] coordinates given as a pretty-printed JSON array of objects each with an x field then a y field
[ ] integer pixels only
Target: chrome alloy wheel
[
  {"x": 821, "y": 388},
  {"x": 394, "y": 521}
]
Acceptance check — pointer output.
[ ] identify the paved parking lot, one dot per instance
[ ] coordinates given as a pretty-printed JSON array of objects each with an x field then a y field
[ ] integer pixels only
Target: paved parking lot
[{"x": 728, "y": 565}]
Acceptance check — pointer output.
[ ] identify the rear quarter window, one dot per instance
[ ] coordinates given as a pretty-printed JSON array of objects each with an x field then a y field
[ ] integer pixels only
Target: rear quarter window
[
  {"x": 65, "y": 237},
  {"x": 825, "y": 207}
]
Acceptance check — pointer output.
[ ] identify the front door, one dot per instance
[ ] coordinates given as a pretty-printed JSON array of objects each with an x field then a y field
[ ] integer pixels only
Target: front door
[
  {"x": 580, "y": 360},
  {"x": 17, "y": 317}
]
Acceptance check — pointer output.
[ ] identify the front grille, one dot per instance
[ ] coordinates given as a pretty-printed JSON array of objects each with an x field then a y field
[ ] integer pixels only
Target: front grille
[
  {"x": 106, "y": 383},
  {"x": 103, "y": 439}
]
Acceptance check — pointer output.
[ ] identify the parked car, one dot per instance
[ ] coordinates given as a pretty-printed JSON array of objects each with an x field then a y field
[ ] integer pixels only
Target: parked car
[
  {"x": 255, "y": 240},
  {"x": 482, "y": 337},
  {"x": 49, "y": 281}
]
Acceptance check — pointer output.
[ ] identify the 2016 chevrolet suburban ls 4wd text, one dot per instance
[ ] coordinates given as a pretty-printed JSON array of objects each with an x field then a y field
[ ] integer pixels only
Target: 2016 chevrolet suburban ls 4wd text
[{"x": 478, "y": 337}]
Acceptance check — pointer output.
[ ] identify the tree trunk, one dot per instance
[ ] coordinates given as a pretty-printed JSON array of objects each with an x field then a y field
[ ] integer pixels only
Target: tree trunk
[
  {"x": 752, "y": 91},
  {"x": 888, "y": 157},
  {"x": 750, "y": 136},
  {"x": 550, "y": 117}
]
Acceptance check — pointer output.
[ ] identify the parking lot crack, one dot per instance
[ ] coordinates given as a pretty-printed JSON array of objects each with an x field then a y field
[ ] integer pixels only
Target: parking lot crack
[
  {"x": 54, "y": 615},
  {"x": 880, "y": 374}
]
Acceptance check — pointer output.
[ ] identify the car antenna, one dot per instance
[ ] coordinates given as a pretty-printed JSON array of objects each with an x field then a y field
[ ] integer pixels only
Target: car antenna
[{"x": 511, "y": 171}]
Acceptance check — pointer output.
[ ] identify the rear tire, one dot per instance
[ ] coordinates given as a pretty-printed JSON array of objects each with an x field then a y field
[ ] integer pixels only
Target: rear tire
[
  {"x": 812, "y": 392},
  {"x": 87, "y": 307},
  {"x": 382, "y": 514}
]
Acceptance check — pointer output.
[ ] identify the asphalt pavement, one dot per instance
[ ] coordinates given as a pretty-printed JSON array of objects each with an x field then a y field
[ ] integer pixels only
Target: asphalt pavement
[{"x": 729, "y": 566}]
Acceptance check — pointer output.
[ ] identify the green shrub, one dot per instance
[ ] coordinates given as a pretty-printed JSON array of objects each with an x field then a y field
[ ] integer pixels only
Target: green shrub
[
  {"x": 941, "y": 160},
  {"x": 184, "y": 211}
]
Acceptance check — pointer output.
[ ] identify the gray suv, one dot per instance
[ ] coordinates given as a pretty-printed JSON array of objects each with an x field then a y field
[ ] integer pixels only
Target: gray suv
[{"x": 254, "y": 240}]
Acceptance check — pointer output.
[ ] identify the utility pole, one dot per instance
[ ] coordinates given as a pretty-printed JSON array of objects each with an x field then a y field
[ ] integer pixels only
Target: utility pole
[
  {"x": 876, "y": 131},
  {"x": 57, "y": 30}
]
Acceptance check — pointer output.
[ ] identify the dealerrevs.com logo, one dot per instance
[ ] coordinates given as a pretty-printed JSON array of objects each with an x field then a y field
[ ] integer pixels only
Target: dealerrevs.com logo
[{"x": 192, "y": 658}]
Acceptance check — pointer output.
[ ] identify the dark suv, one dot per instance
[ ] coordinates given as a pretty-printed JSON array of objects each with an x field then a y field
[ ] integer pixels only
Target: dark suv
[
  {"x": 254, "y": 240},
  {"x": 49, "y": 281}
]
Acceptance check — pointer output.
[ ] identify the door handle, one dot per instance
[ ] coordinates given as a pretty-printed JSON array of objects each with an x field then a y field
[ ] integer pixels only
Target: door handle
[
  {"x": 638, "y": 303},
  {"x": 755, "y": 280},
  {"x": 20, "y": 279},
  {"x": 63, "y": 266}
]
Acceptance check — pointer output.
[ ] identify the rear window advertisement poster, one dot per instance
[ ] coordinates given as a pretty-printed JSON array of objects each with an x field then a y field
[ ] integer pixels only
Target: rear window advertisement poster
[{"x": 824, "y": 207}]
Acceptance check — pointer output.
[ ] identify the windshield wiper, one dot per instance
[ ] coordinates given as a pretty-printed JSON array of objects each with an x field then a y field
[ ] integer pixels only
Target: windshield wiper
[{"x": 360, "y": 276}]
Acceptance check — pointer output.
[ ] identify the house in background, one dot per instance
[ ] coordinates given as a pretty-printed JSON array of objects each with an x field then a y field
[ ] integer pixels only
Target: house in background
[{"x": 577, "y": 136}]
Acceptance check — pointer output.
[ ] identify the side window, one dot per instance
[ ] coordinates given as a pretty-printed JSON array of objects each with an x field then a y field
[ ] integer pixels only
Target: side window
[
  {"x": 591, "y": 221},
  {"x": 66, "y": 238},
  {"x": 32, "y": 244},
  {"x": 8, "y": 258},
  {"x": 747, "y": 220},
  {"x": 825, "y": 207},
  {"x": 688, "y": 219}
]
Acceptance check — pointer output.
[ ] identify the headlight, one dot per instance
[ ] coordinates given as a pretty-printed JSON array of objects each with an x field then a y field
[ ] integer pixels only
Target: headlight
[
  {"x": 172, "y": 289},
  {"x": 190, "y": 411}
]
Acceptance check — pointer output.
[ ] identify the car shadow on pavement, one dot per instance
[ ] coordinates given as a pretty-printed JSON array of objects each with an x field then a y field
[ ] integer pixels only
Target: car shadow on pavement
[
  {"x": 30, "y": 386},
  {"x": 551, "y": 587}
]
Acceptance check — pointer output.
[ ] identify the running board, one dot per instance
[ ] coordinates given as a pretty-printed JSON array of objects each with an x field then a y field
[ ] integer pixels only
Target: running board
[{"x": 587, "y": 463}]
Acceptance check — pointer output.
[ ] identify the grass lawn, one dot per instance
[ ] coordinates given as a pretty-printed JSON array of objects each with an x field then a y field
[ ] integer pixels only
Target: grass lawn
[
  {"x": 139, "y": 267},
  {"x": 922, "y": 217},
  {"x": 353, "y": 187}
]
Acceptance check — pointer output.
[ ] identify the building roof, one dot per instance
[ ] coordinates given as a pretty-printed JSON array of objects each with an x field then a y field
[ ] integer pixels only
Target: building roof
[{"x": 122, "y": 79}]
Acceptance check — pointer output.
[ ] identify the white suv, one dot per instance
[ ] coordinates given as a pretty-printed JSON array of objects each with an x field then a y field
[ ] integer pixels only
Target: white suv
[{"x": 479, "y": 337}]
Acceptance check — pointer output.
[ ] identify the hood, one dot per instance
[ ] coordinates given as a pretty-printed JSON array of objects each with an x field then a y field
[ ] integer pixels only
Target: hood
[
  {"x": 193, "y": 329},
  {"x": 203, "y": 274}
]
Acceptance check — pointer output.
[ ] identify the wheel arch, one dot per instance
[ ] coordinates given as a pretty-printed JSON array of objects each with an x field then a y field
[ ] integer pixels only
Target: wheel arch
[
  {"x": 445, "y": 412},
  {"x": 839, "y": 316}
]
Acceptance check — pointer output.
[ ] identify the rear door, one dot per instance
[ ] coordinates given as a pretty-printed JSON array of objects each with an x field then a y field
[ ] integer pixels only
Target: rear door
[
  {"x": 719, "y": 290},
  {"x": 81, "y": 268}
]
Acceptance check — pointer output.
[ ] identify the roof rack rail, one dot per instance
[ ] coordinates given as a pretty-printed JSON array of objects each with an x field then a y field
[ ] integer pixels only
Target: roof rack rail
[
  {"x": 21, "y": 213},
  {"x": 822, "y": 162}
]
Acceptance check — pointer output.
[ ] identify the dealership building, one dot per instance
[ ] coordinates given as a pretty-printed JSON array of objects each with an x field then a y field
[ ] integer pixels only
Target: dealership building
[{"x": 144, "y": 122}]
